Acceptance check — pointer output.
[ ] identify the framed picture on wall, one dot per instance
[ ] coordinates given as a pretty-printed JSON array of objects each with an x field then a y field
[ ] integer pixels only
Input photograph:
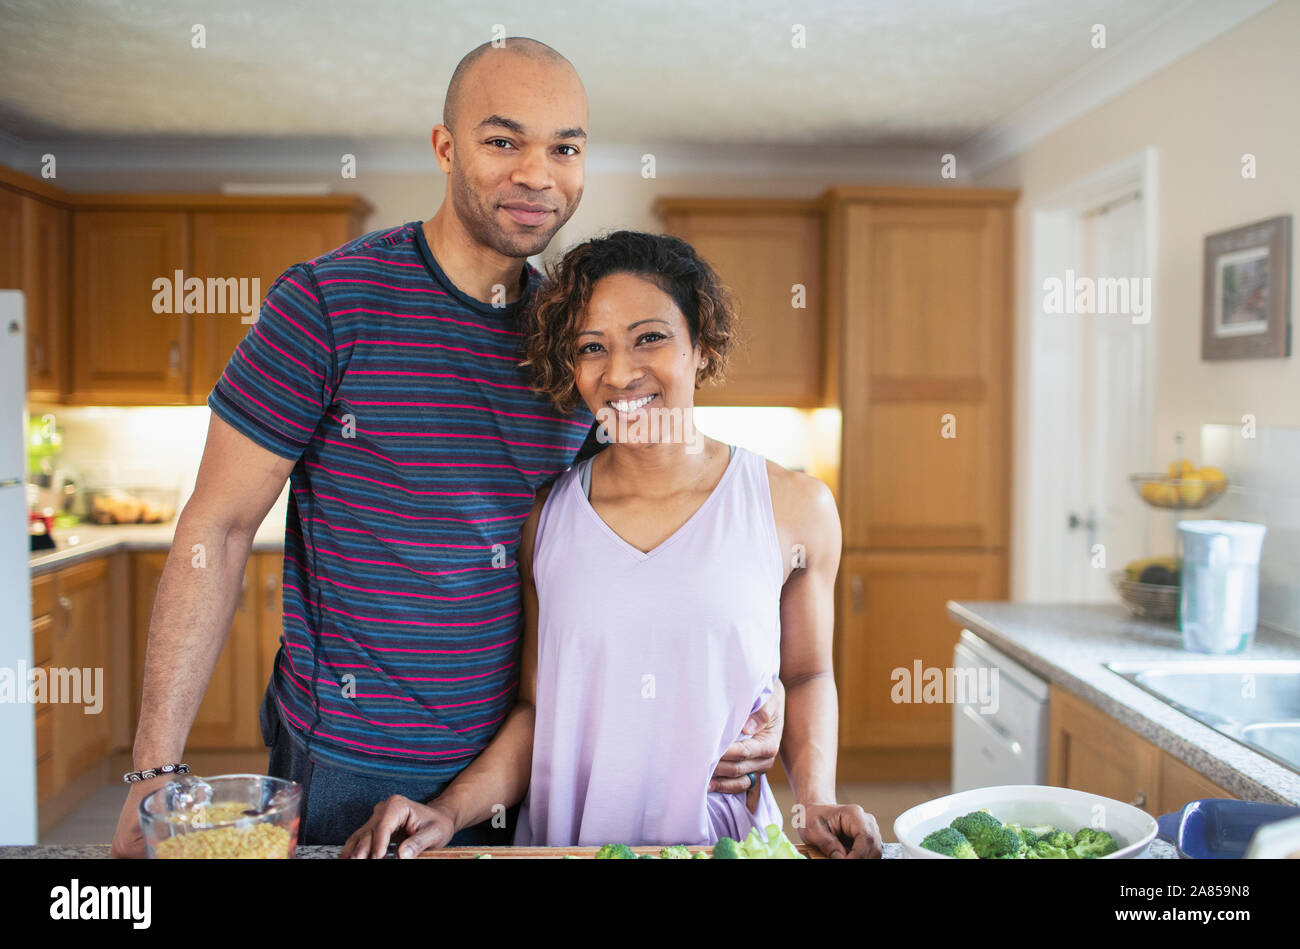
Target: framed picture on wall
[{"x": 1247, "y": 291}]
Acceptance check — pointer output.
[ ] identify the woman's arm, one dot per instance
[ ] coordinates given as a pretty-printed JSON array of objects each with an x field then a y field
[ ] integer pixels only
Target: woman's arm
[
  {"x": 496, "y": 779},
  {"x": 806, "y": 516}
]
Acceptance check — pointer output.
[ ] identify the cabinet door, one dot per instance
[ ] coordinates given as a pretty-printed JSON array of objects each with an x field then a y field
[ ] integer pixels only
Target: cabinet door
[
  {"x": 227, "y": 715},
  {"x": 124, "y": 352},
  {"x": 271, "y": 608},
  {"x": 79, "y": 661},
  {"x": 11, "y": 239},
  {"x": 892, "y": 615},
  {"x": 761, "y": 257},
  {"x": 245, "y": 246},
  {"x": 926, "y": 329},
  {"x": 47, "y": 266},
  {"x": 1090, "y": 751}
]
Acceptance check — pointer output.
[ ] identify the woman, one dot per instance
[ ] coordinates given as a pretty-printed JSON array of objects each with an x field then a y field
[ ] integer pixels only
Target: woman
[{"x": 667, "y": 581}]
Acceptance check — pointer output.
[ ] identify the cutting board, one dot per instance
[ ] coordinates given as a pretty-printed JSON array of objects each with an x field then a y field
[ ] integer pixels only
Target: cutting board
[{"x": 555, "y": 853}]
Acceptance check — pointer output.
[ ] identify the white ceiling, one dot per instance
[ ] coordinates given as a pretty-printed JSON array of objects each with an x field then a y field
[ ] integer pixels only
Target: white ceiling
[{"x": 892, "y": 73}]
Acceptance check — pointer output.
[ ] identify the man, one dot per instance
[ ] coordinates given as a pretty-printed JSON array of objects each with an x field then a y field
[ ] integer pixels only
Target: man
[{"x": 381, "y": 379}]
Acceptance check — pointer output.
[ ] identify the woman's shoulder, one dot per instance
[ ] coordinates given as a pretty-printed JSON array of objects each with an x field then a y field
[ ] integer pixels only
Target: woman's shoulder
[{"x": 799, "y": 498}]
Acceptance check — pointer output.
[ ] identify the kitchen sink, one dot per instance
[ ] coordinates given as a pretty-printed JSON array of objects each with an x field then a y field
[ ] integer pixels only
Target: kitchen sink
[{"x": 1253, "y": 701}]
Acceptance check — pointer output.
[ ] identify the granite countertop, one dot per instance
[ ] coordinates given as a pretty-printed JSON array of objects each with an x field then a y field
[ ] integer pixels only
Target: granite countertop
[
  {"x": 96, "y": 540},
  {"x": 1068, "y": 644},
  {"x": 1159, "y": 851}
]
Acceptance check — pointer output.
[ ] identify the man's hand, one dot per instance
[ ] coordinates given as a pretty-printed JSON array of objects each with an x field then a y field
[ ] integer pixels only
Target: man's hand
[
  {"x": 418, "y": 826},
  {"x": 128, "y": 839},
  {"x": 755, "y": 754},
  {"x": 832, "y": 827}
]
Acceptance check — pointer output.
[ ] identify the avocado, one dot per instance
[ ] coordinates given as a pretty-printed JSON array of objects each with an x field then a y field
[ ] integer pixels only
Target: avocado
[{"x": 1159, "y": 575}]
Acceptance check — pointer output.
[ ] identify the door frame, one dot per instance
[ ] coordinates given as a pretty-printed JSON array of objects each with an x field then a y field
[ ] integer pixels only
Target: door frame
[{"x": 1050, "y": 463}]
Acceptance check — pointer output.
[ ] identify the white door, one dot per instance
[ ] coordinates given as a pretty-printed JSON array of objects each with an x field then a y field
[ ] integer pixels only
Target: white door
[{"x": 1090, "y": 416}]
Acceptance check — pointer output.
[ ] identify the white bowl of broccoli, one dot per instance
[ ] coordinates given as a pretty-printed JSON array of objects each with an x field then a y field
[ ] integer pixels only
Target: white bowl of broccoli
[{"x": 1025, "y": 822}]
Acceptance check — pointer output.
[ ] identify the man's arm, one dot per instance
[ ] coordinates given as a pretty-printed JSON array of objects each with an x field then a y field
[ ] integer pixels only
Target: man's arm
[
  {"x": 497, "y": 778},
  {"x": 237, "y": 483}
]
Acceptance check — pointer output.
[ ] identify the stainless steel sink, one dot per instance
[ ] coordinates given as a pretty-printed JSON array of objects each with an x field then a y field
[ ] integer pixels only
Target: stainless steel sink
[{"x": 1253, "y": 701}]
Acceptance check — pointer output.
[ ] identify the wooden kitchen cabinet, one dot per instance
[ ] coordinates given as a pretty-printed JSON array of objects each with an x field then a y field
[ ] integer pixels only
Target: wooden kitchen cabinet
[
  {"x": 923, "y": 295},
  {"x": 80, "y": 640},
  {"x": 891, "y": 614},
  {"x": 762, "y": 250},
  {"x": 123, "y": 352},
  {"x": 1090, "y": 751},
  {"x": 11, "y": 239},
  {"x": 87, "y": 264},
  {"x": 47, "y": 285},
  {"x": 227, "y": 716},
  {"x": 250, "y": 245},
  {"x": 42, "y": 651},
  {"x": 270, "y": 612}
]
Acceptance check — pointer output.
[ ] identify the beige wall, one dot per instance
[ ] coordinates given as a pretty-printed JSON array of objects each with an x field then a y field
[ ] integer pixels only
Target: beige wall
[{"x": 1232, "y": 96}]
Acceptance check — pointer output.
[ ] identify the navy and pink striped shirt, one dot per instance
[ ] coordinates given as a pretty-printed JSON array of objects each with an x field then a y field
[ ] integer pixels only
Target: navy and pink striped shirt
[{"x": 419, "y": 451}]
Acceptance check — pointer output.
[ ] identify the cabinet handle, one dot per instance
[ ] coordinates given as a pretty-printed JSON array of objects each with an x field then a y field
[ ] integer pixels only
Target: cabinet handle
[
  {"x": 271, "y": 584},
  {"x": 38, "y": 357},
  {"x": 1140, "y": 800},
  {"x": 174, "y": 357},
  {"x": 855, "y": 585},
  {"x": 65, "y": 604}
]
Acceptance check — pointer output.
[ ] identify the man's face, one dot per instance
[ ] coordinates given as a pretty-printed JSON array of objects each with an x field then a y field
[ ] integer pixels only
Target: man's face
[{"x": 519, "y": 149}]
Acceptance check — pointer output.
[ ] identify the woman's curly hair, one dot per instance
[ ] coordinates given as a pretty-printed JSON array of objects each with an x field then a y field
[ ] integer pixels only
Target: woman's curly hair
[{"x": 555, "y": 316}]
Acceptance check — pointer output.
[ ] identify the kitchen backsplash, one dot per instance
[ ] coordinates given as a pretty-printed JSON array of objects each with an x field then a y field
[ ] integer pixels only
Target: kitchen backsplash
[
  {"x": 1264, "y": 487},
  {"x": 160, "y": 446}
]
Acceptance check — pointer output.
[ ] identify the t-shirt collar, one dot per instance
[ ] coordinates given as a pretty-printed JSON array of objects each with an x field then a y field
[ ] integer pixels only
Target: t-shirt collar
[{"x": 530, "y": 280}]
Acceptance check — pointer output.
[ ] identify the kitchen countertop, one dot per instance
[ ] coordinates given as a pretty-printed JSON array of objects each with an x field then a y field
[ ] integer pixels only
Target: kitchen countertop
[
  {"x": 1159, "y": 851},
  {"x": 96, "y": 540},
  {"x": 1068, "y": 644}
]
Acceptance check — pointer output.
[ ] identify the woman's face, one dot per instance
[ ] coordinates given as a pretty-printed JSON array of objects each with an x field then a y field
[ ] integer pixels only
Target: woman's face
[{"x": 636, "y": 362}]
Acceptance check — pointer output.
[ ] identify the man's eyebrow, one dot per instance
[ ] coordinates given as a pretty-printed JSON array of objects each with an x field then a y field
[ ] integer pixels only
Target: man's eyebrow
[
  {"x": 500, "y": 121},
  {"x": 503, "y": 122}
]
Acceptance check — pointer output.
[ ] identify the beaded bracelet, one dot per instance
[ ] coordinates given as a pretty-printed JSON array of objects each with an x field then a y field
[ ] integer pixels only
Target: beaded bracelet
[{"x": 131, "y": 777}]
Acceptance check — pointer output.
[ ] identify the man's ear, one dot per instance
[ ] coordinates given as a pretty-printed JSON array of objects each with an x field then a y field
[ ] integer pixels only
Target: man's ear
[{"x": 444, "y": 147}]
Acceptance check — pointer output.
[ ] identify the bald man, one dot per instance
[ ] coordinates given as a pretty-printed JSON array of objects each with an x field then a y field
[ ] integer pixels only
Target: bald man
[{"x": 382, "y": 381}]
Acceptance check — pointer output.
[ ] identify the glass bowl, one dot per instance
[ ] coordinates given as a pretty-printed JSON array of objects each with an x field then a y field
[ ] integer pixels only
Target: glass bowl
[{"x": 231, "y": 816}]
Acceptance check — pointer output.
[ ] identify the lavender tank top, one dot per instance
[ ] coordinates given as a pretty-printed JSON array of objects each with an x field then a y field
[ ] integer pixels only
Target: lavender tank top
[{"x": 648, "y": 665}]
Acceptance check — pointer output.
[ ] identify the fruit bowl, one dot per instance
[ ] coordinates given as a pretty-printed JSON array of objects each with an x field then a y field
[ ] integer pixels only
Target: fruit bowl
[
  {"x": 1149, "y": 600},
  {"x": 1177, "y": 494}
]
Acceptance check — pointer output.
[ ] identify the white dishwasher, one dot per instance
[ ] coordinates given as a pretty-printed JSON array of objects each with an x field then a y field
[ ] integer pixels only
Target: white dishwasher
[{"x": 1002, "y": 741}]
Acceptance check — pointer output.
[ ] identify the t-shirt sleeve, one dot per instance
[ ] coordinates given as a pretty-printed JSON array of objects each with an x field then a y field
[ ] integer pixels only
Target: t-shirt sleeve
[{"x": 278, "y": 383}]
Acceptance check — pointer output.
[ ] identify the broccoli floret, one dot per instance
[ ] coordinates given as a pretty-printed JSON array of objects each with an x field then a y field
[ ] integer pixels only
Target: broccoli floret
[
  {"x": 951, "y": 843},
  {"x": 647, "y": 856},
  {"x": 1045, "y": 851},
  {"x": 615, "y": 852},
  {"x": 1090, "y": 843},
  {"x": 774, "y": 846},
  {"x": 1060, "y": 839},
  {"x": 727, "y": 849},
  {"x": 675, "y": 852},
  {"x": 1026, "y": 834},
  {"x": 976, "y": 827},
  {"x": 1003, "y": 842},
  {"x": 700, "y": 855}
]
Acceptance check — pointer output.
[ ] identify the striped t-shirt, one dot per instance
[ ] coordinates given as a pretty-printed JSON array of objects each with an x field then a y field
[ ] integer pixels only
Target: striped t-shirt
[{"x": 419, "y": 451}]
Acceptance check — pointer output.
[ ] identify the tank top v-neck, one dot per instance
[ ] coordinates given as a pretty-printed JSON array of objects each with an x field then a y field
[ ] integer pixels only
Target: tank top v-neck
[{"x": 648, "y": 665}]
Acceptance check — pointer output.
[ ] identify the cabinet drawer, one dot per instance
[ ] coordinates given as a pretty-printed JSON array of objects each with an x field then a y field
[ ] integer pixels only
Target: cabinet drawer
[
  {"x": 44, "y": 731},
  {"x": 42, "y": 640},
  {"x": 43, "y": 595}
]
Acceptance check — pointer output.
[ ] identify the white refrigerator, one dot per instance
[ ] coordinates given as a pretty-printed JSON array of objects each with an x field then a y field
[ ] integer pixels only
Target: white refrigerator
[{"x": 17, "y": 716}]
